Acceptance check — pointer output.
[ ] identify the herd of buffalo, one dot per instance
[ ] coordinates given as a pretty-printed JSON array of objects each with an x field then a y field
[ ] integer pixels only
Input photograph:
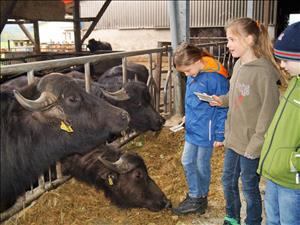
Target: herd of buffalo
[{"x": 55, "y": 119}]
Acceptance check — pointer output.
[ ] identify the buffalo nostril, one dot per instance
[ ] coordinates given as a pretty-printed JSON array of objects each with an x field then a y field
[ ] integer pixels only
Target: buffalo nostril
[{"x": 124, "y": 116}]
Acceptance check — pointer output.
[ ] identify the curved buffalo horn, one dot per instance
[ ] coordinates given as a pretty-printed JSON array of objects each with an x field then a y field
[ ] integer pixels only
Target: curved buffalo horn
[
  {"x": 45, "y": 100},
  {"x": 120, "y": 95},
  {"x": 120, "y": 166}
]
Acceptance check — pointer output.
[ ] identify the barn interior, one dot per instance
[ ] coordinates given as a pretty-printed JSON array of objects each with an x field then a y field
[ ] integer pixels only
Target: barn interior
[{"x": 74, "y": 202}]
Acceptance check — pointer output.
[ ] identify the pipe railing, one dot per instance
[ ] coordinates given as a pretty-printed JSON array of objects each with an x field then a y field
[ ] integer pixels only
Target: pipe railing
[{"x": 50, "y": 64}]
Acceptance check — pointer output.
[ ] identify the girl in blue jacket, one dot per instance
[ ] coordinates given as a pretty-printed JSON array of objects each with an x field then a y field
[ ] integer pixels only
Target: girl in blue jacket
[{"x": 204, "y": 124}]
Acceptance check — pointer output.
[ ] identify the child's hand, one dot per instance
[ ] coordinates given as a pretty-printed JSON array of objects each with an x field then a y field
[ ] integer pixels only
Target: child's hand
[
  {"x": 216, "y": 102},
  {"x": 218, "y": 144}
]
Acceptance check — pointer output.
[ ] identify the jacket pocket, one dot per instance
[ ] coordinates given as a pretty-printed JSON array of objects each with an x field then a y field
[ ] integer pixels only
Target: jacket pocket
[
  {"x": 295, "y": 161},
  {"x": 279, "y": 163}
]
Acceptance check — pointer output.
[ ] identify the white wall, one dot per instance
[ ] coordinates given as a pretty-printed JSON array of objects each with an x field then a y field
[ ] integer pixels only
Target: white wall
[{"x": 131, "y": 39}]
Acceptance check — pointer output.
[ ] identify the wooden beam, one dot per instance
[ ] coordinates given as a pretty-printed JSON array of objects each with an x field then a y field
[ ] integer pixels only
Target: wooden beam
[
  {"x": 6, "y": 9},
  {"x": 77, "y": 32},
  {"x": 26, "y": 32},
  {"x": 37, "y": 43},
  {"x": 96, "y": 20},
  {"x": 19, "y": 22}
]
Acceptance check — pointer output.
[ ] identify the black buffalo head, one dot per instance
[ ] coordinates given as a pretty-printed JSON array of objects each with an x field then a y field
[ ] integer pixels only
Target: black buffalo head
[
  {"x": 62, "y": 98},
  {"x": 122, "y": 176},
  {"x": 143, "y": 115},
  {"x": 112, "y": 79}
]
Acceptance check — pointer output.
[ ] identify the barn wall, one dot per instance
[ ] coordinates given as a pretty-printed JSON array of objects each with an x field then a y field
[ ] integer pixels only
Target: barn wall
[
  {"x": 132, "y": 25},
  {"x": 131, "y": 39},
  {"x": 154, "y": 14}
]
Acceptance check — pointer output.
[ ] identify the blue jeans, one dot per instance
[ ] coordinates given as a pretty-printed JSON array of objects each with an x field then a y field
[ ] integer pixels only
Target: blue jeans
[
  {"x": 236, "y": 166},
  {"x": 196, "y": 164},
  {"x": 282, "y": 205}
]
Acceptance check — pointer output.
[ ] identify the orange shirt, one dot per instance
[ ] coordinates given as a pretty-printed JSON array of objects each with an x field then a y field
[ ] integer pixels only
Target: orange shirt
[
  {"x": 213, "y": 65},
  {"x": 67, "y": 1}
]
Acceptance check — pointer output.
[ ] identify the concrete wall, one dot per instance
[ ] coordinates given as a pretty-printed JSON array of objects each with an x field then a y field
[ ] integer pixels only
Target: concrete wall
[{"x": 131, "y": 39}]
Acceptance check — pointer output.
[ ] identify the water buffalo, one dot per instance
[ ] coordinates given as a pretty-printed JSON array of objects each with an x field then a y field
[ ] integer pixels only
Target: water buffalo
[
  {"x": 46, "y": 121},
  {"x": 122, "y": 176},
  {"x": 143, "y": 116},
  {"x": 94, "y": 45},
  {"x": 112, "y": 79}
]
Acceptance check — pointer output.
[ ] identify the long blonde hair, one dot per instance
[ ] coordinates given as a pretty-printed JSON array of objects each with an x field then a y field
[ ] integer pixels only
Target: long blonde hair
[{"x": 262, "y": 45}]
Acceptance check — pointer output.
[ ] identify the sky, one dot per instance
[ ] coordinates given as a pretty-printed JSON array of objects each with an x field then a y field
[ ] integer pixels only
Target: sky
[{"x": 49, "y": 31}]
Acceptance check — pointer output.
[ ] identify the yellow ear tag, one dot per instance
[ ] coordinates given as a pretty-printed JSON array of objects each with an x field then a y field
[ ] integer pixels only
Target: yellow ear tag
[
  {"x": 110, "y": 181},
  {"x": 66, "y": 127}
]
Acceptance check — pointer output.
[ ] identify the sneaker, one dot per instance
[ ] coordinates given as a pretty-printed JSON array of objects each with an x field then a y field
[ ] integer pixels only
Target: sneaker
[
  {"x": 230, "y": 221},
  {"x": 190, "y": 205}
]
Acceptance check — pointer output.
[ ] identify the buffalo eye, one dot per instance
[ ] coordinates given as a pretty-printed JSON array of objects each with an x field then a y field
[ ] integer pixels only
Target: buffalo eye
[{"x": 73, "y": 100}]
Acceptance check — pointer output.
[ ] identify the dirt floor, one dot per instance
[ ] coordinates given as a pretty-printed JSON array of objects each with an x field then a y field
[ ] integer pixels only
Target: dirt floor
[{"x": 75, "y": 203}]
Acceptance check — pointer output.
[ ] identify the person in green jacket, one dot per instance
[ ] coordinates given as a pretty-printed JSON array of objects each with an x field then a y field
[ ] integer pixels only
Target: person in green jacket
[{"x": 280, "y": 158}]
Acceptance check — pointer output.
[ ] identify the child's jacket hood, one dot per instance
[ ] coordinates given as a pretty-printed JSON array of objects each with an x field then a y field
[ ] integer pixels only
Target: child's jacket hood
[{"x": 213, "y": 65}]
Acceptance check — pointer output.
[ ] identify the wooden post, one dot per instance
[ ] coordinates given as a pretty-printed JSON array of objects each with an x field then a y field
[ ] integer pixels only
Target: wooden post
[
  {"x": 77, "y": 32},
  {"x": 37, "y": 43}
]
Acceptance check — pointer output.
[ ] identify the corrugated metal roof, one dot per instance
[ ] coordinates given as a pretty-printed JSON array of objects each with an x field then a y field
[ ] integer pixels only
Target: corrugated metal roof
[{"x": 154, "y": 14}]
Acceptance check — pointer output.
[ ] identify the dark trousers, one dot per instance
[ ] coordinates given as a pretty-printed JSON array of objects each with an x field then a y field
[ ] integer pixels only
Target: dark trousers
[{"x": 236, "y": 166}]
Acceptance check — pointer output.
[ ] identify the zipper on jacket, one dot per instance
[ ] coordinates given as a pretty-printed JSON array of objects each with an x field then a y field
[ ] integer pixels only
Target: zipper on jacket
[
  {"x": 272, "y": 138},
  {"x": 209, "y": 130}
]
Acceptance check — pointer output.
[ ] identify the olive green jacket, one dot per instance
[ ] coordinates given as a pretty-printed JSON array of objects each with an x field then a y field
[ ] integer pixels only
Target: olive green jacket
[{"x": 280, "y": 157}]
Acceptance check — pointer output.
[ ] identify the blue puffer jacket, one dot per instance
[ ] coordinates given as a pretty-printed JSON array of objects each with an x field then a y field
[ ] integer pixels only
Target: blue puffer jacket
[{"x": 204, "y": 124}]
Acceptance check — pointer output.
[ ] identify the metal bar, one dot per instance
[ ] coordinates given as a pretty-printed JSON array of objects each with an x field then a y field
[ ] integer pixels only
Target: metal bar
[
  {"x": 87, "y": 76},
  {"x": 42, "y": 182},
  {"x": 58, "y": 168},
  {"x": 179, "y": 12},
  {"x": 157, "y": 75},
  {"x": 49, "y": 64},
  {"x": 95, "y": 21},
  {"x": 30, "y": 77},
  {"x": 20, "y": 204},
  {"x": 124, "y": 70}
]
